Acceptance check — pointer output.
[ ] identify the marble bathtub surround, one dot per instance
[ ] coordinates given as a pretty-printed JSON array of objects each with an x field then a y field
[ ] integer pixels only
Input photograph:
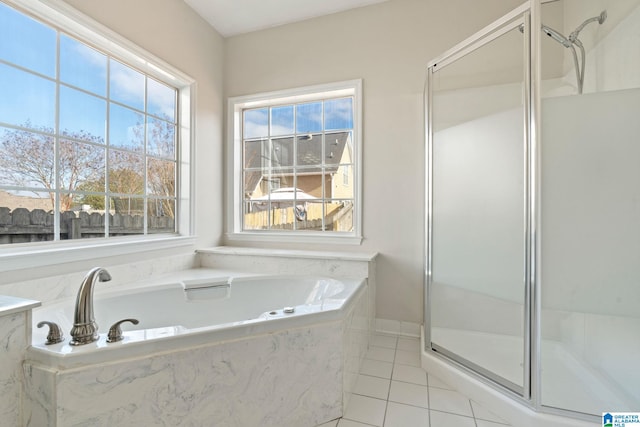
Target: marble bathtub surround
[
  {"x": 15, "y": 330},
  {"x": 242, "y": 372},
  {"x": 303, "y": 374},
  {"x": 296, "y": 376}
]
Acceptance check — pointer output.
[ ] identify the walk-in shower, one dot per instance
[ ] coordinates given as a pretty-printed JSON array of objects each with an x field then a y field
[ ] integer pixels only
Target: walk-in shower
[{"x": 532, "y": 275}]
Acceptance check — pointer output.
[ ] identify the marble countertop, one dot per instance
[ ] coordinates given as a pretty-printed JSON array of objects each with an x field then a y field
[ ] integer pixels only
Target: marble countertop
[
  {"x": 344, "y": 256},
  {"x": 10, "y": 305}
]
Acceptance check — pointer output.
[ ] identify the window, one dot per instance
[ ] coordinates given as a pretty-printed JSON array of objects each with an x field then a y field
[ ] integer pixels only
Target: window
[
  {"x": 296, "y": 157},
  {"x": 93, "y": 131}
]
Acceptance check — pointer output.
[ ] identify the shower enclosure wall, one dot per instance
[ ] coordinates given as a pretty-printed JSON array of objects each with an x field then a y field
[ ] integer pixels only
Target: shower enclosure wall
[{"x": 533, "y": 206}]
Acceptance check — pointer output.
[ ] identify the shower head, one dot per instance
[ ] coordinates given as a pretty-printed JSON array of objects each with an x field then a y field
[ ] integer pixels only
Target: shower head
[
  {"x": 599, "y": 19},
  {"x": 574, "y": 40},
  {"x": 602, "y": 17},
  {"x": 569, "y": 45},
  {"x": 556, "y": 36}
]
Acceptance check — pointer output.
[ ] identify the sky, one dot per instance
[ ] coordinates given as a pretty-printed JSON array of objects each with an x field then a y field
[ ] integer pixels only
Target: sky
[
  {"x": 85, "y": 76},
  {"x": 306, "y": 117}
]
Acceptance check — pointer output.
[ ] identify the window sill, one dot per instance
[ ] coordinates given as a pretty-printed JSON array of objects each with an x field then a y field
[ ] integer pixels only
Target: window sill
[
  {"x": 298, "y": 237},
  {"x": 289, "y": 253},
  {"x": 27, "y": 256}
]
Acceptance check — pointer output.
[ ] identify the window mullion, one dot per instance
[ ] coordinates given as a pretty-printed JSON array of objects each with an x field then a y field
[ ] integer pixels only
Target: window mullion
[
  {"x": 294, "y": 163},
  {"x": 323, "y": 171},
  {"x": 107, "y": 151},
  {"x": 145, "y": 203},
  {"x": 56, "y": 149}
]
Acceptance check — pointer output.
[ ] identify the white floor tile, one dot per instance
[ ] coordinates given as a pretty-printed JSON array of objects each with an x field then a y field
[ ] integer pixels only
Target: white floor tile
[
  {"x": 366, "y": 410},
  {"x": 376, "y": 368},
  {"x": 349, "y": 423},
  {"x": 409, "y": 394},
  {"x": 484, "y": 423},
  {"x": 438, "y": 383},
  {"x": 409, "y": 374},
  {"x": 367, "y": 385},
  {"x": 449, "y": 401},
  {"x": 481, "y": 413},
  {"x": 410, "y": 358},
  {"x": 409, "y": 344},
  {"x": 392, "y": 390},
  {"x": 399, "y": 415},
  {"x": 382, "y": 354},
  {"x": 388, "y": 341},
  {"x": 443, "y": 419}
]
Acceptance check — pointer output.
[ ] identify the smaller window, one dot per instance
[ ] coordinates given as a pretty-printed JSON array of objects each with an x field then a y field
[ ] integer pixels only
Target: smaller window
[{"x": 296, "y": 157}]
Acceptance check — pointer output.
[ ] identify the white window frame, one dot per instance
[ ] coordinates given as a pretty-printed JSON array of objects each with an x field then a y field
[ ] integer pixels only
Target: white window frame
[
  {"x": 29, "y": 255},
  {"x": 235, "y": 107}
]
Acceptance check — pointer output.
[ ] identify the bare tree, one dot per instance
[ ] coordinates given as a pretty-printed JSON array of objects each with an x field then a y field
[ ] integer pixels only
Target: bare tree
[
  {"x": 161, "y": 177},
  {"x": 162, "y": 183},
  {"x": 27, "y": 159}
]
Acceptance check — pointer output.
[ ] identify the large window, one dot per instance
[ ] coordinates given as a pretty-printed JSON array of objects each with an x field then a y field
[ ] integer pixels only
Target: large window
[
  {"x": 297, "y": 162},
  {"x": 90, "y": 133}
]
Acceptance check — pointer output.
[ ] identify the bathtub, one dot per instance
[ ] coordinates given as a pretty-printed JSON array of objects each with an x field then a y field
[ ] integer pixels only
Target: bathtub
[{"x": 211, "y": 348}]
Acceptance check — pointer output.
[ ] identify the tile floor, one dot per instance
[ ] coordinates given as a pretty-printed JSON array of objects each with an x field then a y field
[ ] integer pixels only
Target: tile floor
[{"x": 393, "y": 391}]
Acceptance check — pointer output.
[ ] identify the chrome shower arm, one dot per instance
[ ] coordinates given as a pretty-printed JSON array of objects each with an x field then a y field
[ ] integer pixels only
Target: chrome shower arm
[{"x": 599, "y": 19}]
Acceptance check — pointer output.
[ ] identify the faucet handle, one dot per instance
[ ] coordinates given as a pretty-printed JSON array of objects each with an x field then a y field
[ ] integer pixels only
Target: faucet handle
[
  {"x": 55, "y": 334},
  {"x": 115, "y": 333}
]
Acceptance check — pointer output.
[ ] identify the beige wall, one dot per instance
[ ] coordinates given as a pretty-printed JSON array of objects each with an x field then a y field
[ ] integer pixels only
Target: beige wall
[
  {"x": 172, "y": 31},
  {"x": 388, "y": 45}
]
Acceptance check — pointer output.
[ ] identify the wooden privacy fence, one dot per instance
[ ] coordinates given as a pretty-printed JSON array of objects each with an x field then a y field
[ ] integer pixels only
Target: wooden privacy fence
[
  {"x": 338, "y": 217},
  {"x": 22, "y": 225}
]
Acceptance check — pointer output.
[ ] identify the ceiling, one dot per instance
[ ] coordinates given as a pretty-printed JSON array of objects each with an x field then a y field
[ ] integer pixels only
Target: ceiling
[{"x": 233, "y": 17}]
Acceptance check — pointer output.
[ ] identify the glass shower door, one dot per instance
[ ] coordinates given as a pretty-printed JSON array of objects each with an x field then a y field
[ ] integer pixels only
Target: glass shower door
[{"x": 477, "y": 205}]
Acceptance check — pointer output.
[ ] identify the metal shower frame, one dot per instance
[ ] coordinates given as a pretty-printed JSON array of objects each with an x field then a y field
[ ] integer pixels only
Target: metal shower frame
[{"x": 527, "y": 16}]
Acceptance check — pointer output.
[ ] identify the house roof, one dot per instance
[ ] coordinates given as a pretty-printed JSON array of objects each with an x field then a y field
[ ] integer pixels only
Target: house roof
[{"x": 309, "y": 157}]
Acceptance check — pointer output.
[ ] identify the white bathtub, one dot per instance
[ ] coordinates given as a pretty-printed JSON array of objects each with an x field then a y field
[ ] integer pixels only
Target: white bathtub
[
  {"x": 235, "y": 305},
  {"x": 230, "y": 355}
]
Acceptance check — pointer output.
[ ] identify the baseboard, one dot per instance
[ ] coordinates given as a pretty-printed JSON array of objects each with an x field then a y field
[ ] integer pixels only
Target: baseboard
[{"x": 398, "y": 327}]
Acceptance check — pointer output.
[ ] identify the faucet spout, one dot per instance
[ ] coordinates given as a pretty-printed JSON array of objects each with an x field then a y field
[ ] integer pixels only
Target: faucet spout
[{"x": 85, "y": 328}]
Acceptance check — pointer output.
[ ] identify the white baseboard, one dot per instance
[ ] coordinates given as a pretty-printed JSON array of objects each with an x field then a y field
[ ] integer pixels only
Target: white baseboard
[{"x": 397, "y": 327}]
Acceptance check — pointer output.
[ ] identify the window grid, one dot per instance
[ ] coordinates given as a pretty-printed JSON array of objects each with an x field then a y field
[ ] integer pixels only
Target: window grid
[
  {"x": 296, "y": 168},
  {"x": 58, "y": 136}
]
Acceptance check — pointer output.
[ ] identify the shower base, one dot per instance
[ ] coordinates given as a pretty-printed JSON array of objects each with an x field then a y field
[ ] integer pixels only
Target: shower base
[{"x": 567, "y": 381}]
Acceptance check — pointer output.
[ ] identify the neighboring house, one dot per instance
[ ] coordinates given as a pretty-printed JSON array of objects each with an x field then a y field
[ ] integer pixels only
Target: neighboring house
[{"x": 312, "y": 168}]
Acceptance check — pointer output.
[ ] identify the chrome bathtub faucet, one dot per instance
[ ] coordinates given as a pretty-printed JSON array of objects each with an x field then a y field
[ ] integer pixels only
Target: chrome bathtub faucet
[{"x": 85, "y": 328}]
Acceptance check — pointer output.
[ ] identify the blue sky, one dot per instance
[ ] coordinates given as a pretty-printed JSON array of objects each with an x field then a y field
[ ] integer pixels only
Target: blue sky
[
  {"x": 29, "y": 94},
  {"x": 338, "y": 115}
]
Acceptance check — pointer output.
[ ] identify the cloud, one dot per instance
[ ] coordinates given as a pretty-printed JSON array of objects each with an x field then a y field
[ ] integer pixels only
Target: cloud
[
  {"x": 162, "y": 99},
  {"x": 127, "y": 84},
  {"x": 339, "y": 113},
  {"x": 91, "y": 56}
]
